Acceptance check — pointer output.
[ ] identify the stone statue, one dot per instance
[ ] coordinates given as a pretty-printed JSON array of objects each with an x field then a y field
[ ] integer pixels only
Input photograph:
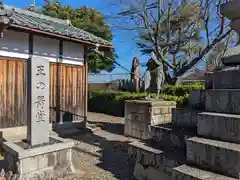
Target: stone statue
[
  {"x": 135, "y": 73},
  {"x": 154, "y": 77}
]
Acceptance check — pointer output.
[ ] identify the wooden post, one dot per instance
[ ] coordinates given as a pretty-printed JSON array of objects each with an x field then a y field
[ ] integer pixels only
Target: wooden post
[
  {"x": 58, "y": 104},
  {"x": 1, "y": 143},
  {"x": 28, "y": 98},
  {"x": 86, "y": 83}
]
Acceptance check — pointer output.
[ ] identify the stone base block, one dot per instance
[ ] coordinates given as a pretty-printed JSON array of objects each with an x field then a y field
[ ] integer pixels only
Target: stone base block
[
  {"x": 139, "y": 114},
  {"x": 171, "y": 136},
  {"x": 216, "y": 156},
  {"x": 186, "y": 117},
  {"x": 41, "y": 161},
  {"x": 225, "y": 127},
  {"x": 223, "y": 101},
  {"x": 137, "y": 129},
  {"x": 152, "y": 159},
  {"x": 185, "y": 172}
]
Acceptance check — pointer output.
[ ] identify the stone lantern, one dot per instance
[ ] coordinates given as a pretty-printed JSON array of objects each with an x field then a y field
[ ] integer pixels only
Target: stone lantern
[
  {"x": 231, "y": 10},
  {"x": 5, "y": 18}
]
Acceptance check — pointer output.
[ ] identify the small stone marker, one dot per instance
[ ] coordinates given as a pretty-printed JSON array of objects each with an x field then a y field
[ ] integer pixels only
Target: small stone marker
[{"x": 38, "y": 101}]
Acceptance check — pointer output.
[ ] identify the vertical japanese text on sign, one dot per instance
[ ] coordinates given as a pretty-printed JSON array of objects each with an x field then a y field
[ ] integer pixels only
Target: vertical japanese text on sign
[{"x": 40, "y": 115}]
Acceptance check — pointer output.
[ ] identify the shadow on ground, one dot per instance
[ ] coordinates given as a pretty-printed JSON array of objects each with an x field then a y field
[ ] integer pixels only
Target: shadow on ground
[
  {"x": 112, "y": 154},
  {"x": 115, "y": 128}
]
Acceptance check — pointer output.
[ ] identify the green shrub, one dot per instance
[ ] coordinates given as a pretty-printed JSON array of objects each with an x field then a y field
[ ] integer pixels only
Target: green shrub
[
  {"x": 112, "y": 102},
  {"x": 182, "y": 89}
]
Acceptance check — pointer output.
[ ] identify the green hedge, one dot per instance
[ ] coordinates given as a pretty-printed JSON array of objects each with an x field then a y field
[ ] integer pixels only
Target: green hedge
[
  {"x": 182, "y": 90},
  {"x": 112, "y": 103}
]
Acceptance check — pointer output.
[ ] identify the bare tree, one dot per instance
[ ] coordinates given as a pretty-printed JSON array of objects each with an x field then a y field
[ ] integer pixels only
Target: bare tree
[{"x": 180, "y": 32}]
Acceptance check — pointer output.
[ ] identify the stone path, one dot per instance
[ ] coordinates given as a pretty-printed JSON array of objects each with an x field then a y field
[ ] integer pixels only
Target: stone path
[{"x": 102, "y": 153}]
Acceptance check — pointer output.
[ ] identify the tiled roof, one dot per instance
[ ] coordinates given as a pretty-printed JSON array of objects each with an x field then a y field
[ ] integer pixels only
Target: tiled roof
[{"x": 31, "y": 20}]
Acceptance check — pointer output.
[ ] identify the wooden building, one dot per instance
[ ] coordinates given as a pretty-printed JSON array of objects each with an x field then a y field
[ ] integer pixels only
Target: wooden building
[{"x": 26, "y": 34}]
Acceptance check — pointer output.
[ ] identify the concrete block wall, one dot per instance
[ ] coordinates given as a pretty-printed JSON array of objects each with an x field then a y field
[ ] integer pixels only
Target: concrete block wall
[
  {"x": 224, "y": 127},
  {"x": 215, "y": 156},
  {"x": 139, "y": 114},
  {"x": 170, "y": 136},
  {"x": 197, "y": 99},
  {"x": 223, "y": 80},
  {"x": 186, "y": 117},
  {"x": 209, "y": 81},
  {"x": 223, "y": 101}
]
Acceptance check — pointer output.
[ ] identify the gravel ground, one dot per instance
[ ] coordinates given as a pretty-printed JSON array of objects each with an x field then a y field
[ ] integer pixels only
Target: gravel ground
[{"x": 102, "y": 152}]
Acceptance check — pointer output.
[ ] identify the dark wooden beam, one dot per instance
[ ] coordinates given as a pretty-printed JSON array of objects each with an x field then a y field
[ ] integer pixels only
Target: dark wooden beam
[
  {"x": 86, "y": 83},
  {"x": 30, "y": 45},
  {"x": 60, "y": 50},
  {"x": 29, "y": 76},
  {"x": 58, "y": 90}
]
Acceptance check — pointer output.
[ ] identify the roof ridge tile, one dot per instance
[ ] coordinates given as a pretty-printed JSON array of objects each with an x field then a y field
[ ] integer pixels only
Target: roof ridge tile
[{"x": 24, "y": 18}]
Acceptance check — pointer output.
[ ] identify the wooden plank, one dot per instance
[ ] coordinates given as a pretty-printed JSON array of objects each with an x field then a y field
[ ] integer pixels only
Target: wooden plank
[
  {"x": 81, "y": 93},
  {"x": 1, "y": 92},
  {"x": 24, "y": 120},
  {"x": 19, "y": 95},
  {"x": 75, "y": 93},
  {"x": 12, "y": 87}
]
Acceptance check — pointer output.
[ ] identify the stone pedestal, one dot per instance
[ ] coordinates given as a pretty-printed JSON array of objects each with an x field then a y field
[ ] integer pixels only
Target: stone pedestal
[
  {"x": 41, "y": 162},
  {"x": 37, "y": 101},
  {"x": 139, "y": 114}
]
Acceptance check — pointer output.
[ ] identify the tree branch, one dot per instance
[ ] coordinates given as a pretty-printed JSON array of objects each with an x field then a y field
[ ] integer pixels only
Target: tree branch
[{"x": 202, "y": 54}]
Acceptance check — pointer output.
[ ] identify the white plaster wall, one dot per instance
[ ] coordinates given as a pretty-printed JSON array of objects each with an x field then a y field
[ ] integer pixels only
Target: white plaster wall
[
  {"x": 73, "y": 53},
  {"x": 46, "y": 47},
  {"x": 15, "y": 44}
]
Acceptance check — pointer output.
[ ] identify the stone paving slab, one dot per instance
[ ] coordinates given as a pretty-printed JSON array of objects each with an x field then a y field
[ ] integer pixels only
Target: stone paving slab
[
  {"x": 185, "y": 172},
  {"x": 225, "y": 127},
  {"x": 161, "y": 160},
  {"x": 216, "y": 156},
  {"x": 223, "y": 101}
]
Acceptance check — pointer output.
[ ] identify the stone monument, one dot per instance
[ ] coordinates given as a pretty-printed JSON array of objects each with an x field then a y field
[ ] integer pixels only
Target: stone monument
[
  {"x": 140, "y": 114},
  {"x": 154, "y": 77},
  {"x": 40, "y": 155},
  {"x": 38, "y": 101},
  {"x": 135, "y": 74}
]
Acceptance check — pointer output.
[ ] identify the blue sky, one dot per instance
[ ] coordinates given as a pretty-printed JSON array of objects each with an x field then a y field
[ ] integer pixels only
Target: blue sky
[
  {"x": 125, "y": 48},
  {"x": 123, "y": 42}
]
